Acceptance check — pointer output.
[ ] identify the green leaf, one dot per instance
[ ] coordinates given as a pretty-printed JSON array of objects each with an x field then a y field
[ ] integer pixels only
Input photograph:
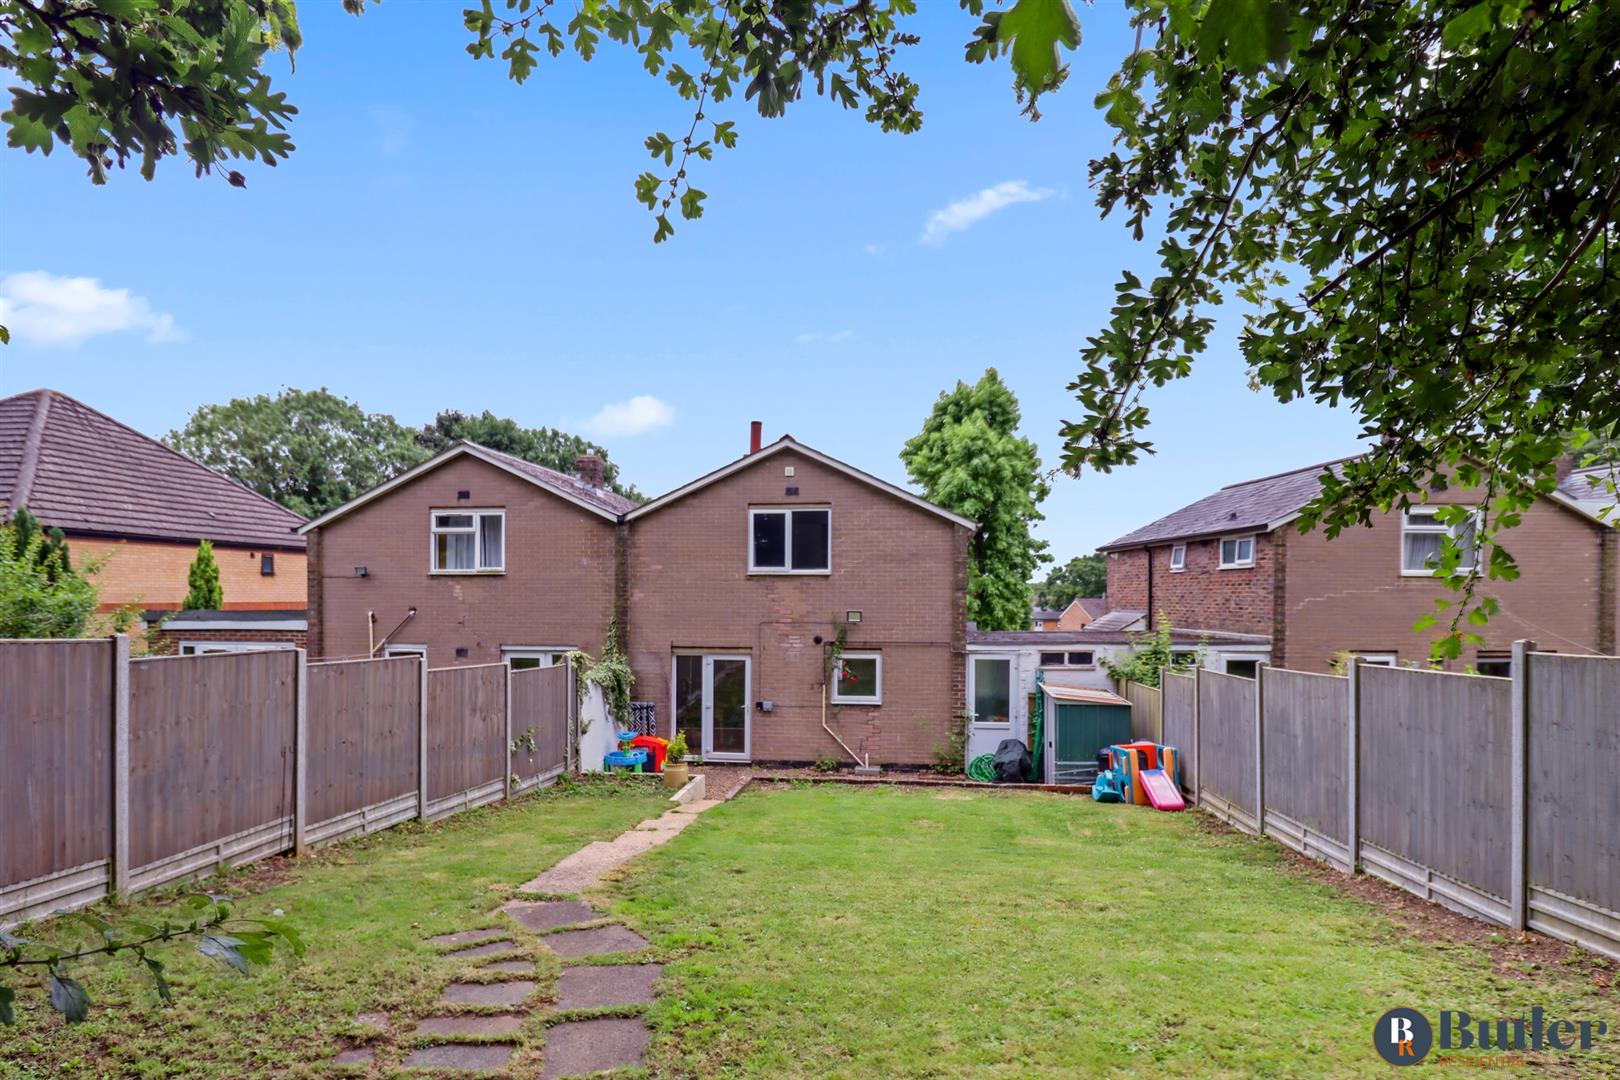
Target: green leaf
[
  {"x": 69, "y": 998},
  {"x": 664, "y": 231},
  {"x": 1473, "y": 23},
  {"x": 162, "y": 984},
  {"x": 226, "y": 949},
  {"x": 1038, "y": 31},
  {"x": 692, "y": 204}
]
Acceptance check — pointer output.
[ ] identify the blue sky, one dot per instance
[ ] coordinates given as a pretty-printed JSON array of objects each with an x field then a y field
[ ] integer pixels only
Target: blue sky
[{"x": 445, "y": 238}]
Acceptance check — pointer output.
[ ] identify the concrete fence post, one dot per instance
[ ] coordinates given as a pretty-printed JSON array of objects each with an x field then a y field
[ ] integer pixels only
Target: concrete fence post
[
  {"x": 1198, "y": 734},
  {"x": 1260, "y": 750},
  {"x": 1519, "y": 797},
  {"x": 506, "y": 780},
  {"x": 119, "y": 877},
  {"x": 422, "y": 746},
  {"x": 1352, "y": 774},
  {"x": 300, "y": 751},
  {"x": 571, "y": 718}
]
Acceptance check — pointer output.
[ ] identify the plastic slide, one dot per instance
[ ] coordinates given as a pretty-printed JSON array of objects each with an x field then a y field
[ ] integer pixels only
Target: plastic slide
[{"x": 1161, "y": 790}]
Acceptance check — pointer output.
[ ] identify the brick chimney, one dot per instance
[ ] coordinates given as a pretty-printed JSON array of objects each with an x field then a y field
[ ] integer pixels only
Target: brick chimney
[
  {"x": 754, "y": 429},
  {"x": 588, "y": 467},
  {"x": 1563, "y": 465}
]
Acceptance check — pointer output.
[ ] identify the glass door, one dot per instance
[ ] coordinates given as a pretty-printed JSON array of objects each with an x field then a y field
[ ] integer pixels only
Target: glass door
[
  {"x": 993, "y": 707},
  {"x": 711, "y": 705}
]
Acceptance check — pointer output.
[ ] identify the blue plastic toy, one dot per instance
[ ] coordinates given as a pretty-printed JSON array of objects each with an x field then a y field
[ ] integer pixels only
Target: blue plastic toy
[{"x": 634, "y": 760}]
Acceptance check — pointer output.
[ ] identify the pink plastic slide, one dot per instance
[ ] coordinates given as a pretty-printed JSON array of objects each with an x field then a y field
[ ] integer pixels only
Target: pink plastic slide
[{"x": 1161, "y": 790}]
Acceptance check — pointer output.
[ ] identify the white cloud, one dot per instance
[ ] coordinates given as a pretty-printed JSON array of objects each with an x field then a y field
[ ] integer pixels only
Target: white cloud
[
  {"x": 874, "y": 250},
  {"x": 43, "y": 309},
  {"x": 818, "y": 337},
  {"x": 640, "y": 414},
  {"x": 965, "y": 213}
]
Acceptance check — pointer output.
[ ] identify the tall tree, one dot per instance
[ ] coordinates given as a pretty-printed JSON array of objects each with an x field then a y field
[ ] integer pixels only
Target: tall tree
[
  {"x": 51, "y": 553},
  {"x": 203, "y": 589},
  {"x": 309, "y": 450},
  {"x": 969, "y": 458},
  {"x": 543, "y": 446},
  {"x": 1083, "y": 575}
]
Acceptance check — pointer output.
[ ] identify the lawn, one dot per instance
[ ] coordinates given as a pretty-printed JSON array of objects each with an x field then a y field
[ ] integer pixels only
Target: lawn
[
  {"x": 896, "y": 932},
  {"x": 363, "y": 908}
]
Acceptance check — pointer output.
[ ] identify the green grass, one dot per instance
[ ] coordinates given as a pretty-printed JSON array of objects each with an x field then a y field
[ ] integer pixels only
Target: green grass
[
  {"x": 855, "y": 932},
  {"x": 363, "y": 908}
]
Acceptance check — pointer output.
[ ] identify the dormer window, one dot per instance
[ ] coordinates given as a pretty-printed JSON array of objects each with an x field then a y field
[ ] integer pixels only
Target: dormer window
[
  {"x": 468, "y": 542},
  {"x": 790, "y": 541}
]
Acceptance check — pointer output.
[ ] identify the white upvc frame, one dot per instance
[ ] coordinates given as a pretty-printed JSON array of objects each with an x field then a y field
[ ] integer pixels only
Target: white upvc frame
[
  {"x": 1236, "y": 563},
  {"x": 400, "y": 649},
  {"x": 198, "y": 647},
  {"x": 1378, "y": 659},
  {"x": 707, "y": 702},
  {"x": 839, "y": 698},
  {"x": 1067, "y": 662},
  {"x": 1178, "y": 558},
  {"x": 1011, "y": 660},
  {"x": 787, "y": 539},
  {"x": 1431, "y": 527},
  {"x": 553, "y": 655},
  {"x": 477, "y": 533}
]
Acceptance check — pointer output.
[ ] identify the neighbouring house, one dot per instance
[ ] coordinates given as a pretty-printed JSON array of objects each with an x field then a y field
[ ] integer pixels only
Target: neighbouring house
[
  {"x": 131, "y": 501},
  {"x": 1076, "y": 616},
  {"x": 1234, "y": 562},
  {"x": 1044, "y": 618},
  {"x": 1003, "y": 666},
  {"x": 786, "y": 607},
  {"x": 189, "y": 633}
]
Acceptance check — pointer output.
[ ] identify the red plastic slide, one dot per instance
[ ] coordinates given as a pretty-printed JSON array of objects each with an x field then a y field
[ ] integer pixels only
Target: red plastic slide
[{"x": 1161, "y": 790}]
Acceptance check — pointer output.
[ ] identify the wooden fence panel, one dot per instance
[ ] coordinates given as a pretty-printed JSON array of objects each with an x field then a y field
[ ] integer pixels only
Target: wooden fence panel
[
  {"x": 1147, "y": 711},
  {"x": 1176, "y": 716},
  {"x": 1435, "y": 773},
  {"x": 466, "y": 731},
  {"x": 540, "y": 706},
  {"x": 363, "y": 725},
  {"x": 1306, "y": 735},
  {"x": 56, "y": 745},
  {"x": 1226, "y": 738},
  {"x": 211, "y": 760},
  {"x": 1573, "y": 802}
]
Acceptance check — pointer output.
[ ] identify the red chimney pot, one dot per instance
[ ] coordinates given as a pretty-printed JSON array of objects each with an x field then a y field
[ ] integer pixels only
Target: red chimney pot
[{"x": 753, "y": 436}]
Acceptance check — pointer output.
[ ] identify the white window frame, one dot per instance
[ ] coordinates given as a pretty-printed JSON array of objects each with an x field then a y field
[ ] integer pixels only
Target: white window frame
[
  {"x": 392, "y": 650},
  {"x": 477, "y": 531},
  {"x": 1178, "y": 558},
  {"x": 787, "y": 540},
  {"x": 1377, "y": 659},
  {"x": 839, "y": 698},
  {"x": 1066, "y": 653},
  {"x": 202, "y": 648},
  {"x": 556, "y": 654},
  {"x": 1431, "y": 528},
  {"x": 1236, "y": 563}
]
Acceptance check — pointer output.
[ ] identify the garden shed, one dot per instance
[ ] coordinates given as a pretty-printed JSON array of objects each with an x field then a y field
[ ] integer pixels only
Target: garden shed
[{"x": 1076, "y": 722}]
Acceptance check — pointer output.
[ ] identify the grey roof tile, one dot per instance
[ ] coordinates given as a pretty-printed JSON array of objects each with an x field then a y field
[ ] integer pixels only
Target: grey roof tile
[{"x": 1250, "y": 505}]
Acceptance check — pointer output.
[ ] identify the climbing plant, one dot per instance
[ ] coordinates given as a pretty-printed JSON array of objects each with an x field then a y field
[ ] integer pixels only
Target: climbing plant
[{"x": 610, "y": 671}]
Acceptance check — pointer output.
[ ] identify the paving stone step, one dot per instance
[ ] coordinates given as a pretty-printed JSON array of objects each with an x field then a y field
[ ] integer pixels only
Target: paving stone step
[
  {"x": 477, "y": 1057},
  {"x": 510, "y": 967},
  {"x": 571, "y": 944},
  {"x": 464, "y": 937},
  {"x": 551, "y": 914},
  {"x": 505, "y": 1024},
  {"x": 698, "y": 807},
  {"x": 489, "y": 948},
  {"x": 360, "y": 1055},
  {"x": 376, "y": 1021},
  {"x": 514, "y": 992},
  {"x": 587, "y": 1046},
  {"x": 602, "y": 986}
]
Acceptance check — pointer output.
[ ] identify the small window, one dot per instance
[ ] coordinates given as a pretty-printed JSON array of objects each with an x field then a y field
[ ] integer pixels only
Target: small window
[
  {"x": 391, "y": 651},
  {"x": 1052, "y": 659},
  {"x": 1183, "y": 659},
  {"x": 1178, "y": 558},
  {"x": 1248, "y": 669},
  {"x": 524, "y": 657},
  {"x": 1499, "y": 665},
  {"x": 267, "y": 566},
  {"x": 1422, "y": 534},
  {"x": 1082, "y": 659},
  {"x": 469, "y": 542},
  {"x": 1237, "y": 551},
  {"x": 858, "y": 679},
  {"x": 1376, "y": 659},
  {"x": 796, "y": 541},
  {"x": 1076, "y": 658}
]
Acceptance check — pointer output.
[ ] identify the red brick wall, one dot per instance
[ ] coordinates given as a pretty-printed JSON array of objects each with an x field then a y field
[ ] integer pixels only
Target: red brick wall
[
  {"x": 1202, "y": 596},
  {"x": 1349, "y": 593},
  {"x": 557, "y": 588},
  {"x": 166, "y": 642},
  {"x": 153, "y": 574},
  {"x": 904, "y": 568}
]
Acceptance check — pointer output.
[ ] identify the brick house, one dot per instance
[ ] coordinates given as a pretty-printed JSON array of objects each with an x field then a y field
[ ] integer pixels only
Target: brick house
[
  {"x": 126, "y": 498},
  {"x": 1234, "y": 562},
  {"x": 729, "y": 592}
]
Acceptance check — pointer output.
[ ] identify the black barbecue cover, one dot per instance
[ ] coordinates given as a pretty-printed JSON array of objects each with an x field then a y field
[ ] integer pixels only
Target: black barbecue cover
[{"x": 1013, "y": 765}]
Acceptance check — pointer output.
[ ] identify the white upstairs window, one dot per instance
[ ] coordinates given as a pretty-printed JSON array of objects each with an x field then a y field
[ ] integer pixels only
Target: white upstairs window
[{"x": 468, "y": 542}]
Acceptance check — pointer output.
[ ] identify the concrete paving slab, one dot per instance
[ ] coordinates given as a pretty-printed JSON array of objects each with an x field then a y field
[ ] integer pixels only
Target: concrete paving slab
[
  {"x": 571, "y": 944},
  {"x": 604, "y": 986},
  {"x": 585, "y": 867},
  {"x": 514, "y": 992},
  {"x": 510, "y": 967},
  {"x": 551, "y": 914},
  {"x": 669, "y": 821},
  {"x": 586, "y": 1046},
  {"x": 505, "y": 1024},
  {"x": 482, "y": 1057},
  {"x": 698, "y": 807},
  {"x": 489, "y": 948},
  {"x": 376, "y": 1021},
  {"x": 467, "y": 937},
  {"x": 360, "y": 1055}
]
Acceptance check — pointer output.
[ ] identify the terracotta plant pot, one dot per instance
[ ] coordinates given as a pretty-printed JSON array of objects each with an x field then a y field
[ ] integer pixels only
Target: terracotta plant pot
[{"x": 676, "y": 774}]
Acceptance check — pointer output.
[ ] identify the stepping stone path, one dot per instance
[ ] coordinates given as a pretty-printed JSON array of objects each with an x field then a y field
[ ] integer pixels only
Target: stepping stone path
[{"x": 572, "y": 1047}]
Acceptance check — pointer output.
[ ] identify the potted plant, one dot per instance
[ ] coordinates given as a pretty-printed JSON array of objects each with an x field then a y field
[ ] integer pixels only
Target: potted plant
[{"x": 676, "y": 771}]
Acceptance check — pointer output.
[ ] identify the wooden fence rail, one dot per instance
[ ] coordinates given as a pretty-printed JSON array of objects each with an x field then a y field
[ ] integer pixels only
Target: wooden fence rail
[
  {"x": 1495, "y": 797},
  {"x": 121, "y": 775}
]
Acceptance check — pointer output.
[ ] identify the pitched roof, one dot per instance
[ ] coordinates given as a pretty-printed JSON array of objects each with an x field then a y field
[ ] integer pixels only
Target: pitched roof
[
  {"x": 1095, "y": 606},
  {"x": 788, "y": 442},
  {"x": 1120, "y": 619},
  {"x": 1046, "y": 613},
  {"x": 1245, "y": 507},
  {"x": 599, "y": 500},
  {"x": 82, "y": 471},
  {"x": 1590, "y": 488}
]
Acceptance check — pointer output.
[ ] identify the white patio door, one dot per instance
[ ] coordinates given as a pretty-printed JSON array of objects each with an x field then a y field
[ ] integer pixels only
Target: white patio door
[
  {"x": 712, "y": 704},
  {"x": 995, "y": 705}
]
